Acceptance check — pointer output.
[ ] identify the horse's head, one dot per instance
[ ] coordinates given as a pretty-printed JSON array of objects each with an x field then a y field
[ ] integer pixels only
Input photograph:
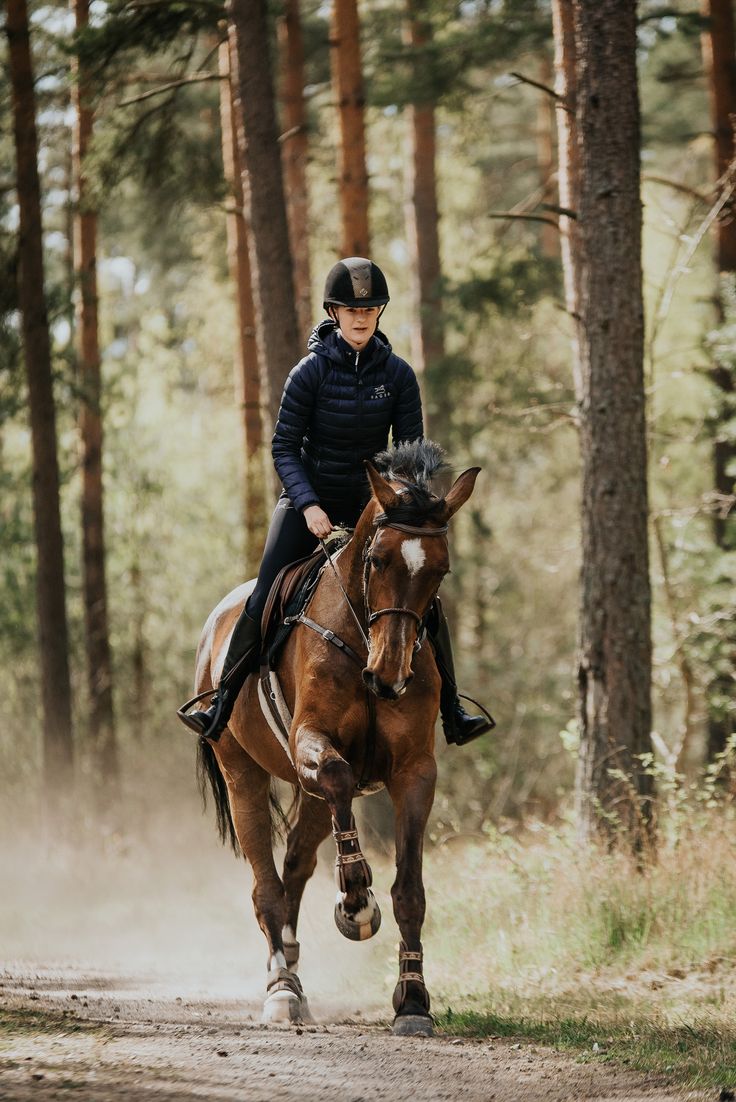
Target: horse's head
[{"x": 405, "y": 559}]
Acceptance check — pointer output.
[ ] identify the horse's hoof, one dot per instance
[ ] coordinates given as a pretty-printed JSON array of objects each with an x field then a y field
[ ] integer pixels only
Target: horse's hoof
[
  {"x": 285, "y": 1002},
  {"x": 285, "y": 1006},
  {"x": 413, "y": 1025},
  {"x": 282, "y": 1006},
  {"x": 363, "y": 924}
]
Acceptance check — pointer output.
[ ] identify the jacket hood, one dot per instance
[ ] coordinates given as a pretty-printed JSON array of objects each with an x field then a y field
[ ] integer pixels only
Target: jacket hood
[{"x": 325, "y": 341}]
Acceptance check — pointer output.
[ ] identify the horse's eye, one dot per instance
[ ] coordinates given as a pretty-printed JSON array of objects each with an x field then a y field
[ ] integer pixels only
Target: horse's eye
[{"x": 377, "y": 563}]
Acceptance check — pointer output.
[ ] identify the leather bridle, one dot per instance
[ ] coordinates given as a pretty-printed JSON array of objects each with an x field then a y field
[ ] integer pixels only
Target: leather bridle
[{"x": 382, "y": 521}]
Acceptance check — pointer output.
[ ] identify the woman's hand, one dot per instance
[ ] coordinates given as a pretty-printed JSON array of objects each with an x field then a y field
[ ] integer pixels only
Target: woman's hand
[{"x": 318, "y": 523}]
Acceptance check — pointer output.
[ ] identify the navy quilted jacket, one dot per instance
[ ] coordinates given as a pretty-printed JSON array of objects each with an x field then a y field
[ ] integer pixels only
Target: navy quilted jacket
[{"x": 337, "y": 410}]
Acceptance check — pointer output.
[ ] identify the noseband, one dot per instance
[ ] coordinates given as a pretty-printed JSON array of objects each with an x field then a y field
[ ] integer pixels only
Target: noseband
[{"x": 382, "y": 521}]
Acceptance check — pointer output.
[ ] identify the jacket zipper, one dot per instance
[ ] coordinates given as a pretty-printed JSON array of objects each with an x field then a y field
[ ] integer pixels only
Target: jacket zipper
[{"x": 360, "y": 404}]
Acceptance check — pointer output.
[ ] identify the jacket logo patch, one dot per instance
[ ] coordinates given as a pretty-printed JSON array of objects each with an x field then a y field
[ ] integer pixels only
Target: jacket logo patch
[{"x": 380, "y": 392}]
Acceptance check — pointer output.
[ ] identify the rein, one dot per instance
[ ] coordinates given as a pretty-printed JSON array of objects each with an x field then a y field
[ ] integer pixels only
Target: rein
[{"x": 363, "y": 635}]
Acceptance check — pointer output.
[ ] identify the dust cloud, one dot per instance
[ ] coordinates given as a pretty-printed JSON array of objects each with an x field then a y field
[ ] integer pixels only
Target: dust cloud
[{"x": 160, "y": 908}]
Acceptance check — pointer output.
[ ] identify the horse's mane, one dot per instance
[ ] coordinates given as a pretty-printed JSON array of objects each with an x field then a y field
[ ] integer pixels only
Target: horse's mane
[{"x": 413, "y": 464}]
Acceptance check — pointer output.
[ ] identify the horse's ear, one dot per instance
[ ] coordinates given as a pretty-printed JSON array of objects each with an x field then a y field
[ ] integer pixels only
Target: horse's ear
[
  {"x": 386, "y": 497},
  {"x": 460, "y": 490}
]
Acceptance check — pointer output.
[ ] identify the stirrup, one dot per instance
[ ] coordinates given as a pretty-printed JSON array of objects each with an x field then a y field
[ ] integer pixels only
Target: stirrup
[
  {"x": 486, "y": 724},
  {"x": 477, "y": 703},
  {"x": 188, "y": 720}
]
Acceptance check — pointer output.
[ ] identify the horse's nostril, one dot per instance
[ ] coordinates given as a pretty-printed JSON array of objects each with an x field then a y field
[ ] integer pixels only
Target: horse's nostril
[{"x": 374, "y": 683}]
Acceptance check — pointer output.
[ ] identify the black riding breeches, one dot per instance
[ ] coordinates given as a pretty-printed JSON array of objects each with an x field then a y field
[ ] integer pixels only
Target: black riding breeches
[{"x": 288, "y": 539}]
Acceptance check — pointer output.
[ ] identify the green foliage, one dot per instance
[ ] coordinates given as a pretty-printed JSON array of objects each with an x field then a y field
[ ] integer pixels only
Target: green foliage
[
  {"x": 464, "y": 40},
  {"x": 131, "y": 29}
]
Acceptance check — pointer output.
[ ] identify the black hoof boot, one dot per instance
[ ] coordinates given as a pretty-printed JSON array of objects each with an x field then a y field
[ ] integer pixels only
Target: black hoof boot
[{"x": 461, "y": 728}]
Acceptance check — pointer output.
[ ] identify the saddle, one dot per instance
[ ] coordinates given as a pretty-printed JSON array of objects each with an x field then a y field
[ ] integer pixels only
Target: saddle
[{"x": 289, "y": 594}]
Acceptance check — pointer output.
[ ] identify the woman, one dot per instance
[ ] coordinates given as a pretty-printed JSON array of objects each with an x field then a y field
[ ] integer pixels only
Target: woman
[{"x": 338, "y": 406}]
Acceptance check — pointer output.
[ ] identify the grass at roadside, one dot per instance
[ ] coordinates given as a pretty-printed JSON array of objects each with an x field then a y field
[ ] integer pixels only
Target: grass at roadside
[
  {"x": 696, "y": 1055},
  {"x": 19, "y": 1020},
  {"x": 541, "y": 940}
]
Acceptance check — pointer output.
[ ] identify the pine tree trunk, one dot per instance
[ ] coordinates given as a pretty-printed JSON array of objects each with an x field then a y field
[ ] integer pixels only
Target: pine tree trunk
[
  {"x": 719, "y": 53},
  {"x": 99, "y": 663},
  {"x": 53, "y": 632},
  {"x": 422, "y": 229},
  {"x": 614, "y": 673},
  {"x": 294, "y": 152},
  {"x": 247, "y": 382},
  {"x": 279, "y": 347},
  {"x": 549, "y": 235},
  {"x": 568, "y": 169},
  {"x": 347, "y": 81}
]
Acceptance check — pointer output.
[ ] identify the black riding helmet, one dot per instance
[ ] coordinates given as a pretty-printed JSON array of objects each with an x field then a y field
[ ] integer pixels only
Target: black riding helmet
[{"x": 355, "y": 281}]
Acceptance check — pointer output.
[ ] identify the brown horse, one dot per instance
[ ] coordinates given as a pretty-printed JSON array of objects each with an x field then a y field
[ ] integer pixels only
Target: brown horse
[{"x": 354, "y": 729}]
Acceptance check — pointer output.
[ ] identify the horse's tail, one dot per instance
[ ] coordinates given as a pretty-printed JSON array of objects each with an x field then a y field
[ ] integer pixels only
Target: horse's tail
[
  {"x": 208, "y": 773},
  {"x": 283, "y": 821}
]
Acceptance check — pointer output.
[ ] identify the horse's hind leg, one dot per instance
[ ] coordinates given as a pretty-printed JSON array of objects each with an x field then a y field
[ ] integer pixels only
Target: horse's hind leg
[
  {"x": 311, "y": 827},
  {"x": 324, "y": 772},
  {"x": 248, "y": 788}
]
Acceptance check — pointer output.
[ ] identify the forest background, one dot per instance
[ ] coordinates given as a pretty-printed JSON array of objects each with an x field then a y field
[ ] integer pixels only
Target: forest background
[{"x": 500, "y": 396}]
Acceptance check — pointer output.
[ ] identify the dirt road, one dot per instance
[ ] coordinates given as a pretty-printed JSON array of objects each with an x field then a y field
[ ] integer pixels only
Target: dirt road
[{"x": 94, "y": 1037}]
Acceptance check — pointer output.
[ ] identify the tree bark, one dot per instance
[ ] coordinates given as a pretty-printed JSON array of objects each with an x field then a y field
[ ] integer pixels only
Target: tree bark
[
  {"x": 53, "y": 632},
  {"x": 614, "y": 673},
  {"x": 247, "y": 376},
  {"x": 294, "y": 152},
  {"x": 422, "y": 225},
  {"x": 719, "y": 54},
  {"x": 347, "y": 80},
  {"x": 99, "y": 663},
  {"x": 549, "y": 239},
  {"x": 720, "y": 62},
  {"x": 568, "y": 168},
  {"x": 272, "y": 270}
]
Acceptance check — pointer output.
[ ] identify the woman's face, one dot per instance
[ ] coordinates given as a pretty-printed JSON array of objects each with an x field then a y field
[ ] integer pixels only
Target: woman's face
[{"x": 357, "y": 324}]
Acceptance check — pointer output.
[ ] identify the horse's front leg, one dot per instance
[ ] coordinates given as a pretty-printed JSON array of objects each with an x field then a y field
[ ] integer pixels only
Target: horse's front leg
[
  {"x": 411, "y": 788},
  {"x": 323, "y": 772}
]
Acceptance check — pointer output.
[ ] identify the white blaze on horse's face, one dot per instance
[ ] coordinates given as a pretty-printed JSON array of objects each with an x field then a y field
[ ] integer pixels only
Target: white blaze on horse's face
[{"x": 413, "y": 555}]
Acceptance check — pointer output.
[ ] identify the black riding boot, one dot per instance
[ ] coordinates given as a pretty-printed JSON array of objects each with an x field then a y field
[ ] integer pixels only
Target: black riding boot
[
  {"x": 240, "y": 660},
  {"x": 459, "y": 727}
]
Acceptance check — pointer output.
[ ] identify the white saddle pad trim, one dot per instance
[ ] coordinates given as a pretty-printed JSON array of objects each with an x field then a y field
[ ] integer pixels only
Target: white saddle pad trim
[{"x": 277, "y": 696}]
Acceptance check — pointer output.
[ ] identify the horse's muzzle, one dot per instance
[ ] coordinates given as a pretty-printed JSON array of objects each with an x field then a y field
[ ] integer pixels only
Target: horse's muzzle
[{"x": 381, "y": 689}]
